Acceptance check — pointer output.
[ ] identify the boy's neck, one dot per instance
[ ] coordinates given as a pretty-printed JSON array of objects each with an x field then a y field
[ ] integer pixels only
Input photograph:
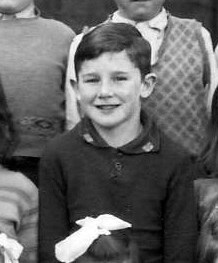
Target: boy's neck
[
  {"x": 130, "y": 20},
  {"x": 121, "y": 135}
]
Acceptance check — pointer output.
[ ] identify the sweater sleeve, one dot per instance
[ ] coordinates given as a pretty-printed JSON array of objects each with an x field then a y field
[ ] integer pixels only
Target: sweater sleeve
[
  {"x": 54, "y": 222},
  {"x": 180, "y": 217}
]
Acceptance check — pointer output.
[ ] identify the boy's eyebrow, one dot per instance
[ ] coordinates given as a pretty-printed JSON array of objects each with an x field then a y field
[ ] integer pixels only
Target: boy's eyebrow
[
  {"x": 96, "y": 73},
  {"x": 120, "y": 72},
  {"x": 91, "y": 74}
]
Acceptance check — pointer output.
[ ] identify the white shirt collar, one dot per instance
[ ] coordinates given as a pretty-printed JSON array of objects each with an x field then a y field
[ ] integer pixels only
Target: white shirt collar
[
  {"x": 29, "y": 12},
  {"x": 158, "y": 22},
  {"x": 117, "y": 18}
]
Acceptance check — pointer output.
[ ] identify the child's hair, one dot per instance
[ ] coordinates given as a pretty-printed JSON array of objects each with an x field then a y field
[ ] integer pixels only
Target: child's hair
[
  {"x": 117, "y": 247},
  {"x": 209, "y": 155},
  {"x": 8, "y": 135},
  {"x": 114, "y": 37},
  {"x": 208, "y": 241}
]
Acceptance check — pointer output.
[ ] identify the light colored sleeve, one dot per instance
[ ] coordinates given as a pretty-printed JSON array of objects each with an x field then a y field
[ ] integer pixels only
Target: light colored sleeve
[
  {"x": 19, "y": 212},
  {"x": 213, "y": 67},
  {"x": 72, "y": 113},
  {"x": 28, "y": 233}
]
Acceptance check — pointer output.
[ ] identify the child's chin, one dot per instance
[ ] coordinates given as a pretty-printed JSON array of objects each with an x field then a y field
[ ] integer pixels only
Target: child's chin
[{"x": 107, "y": 124}]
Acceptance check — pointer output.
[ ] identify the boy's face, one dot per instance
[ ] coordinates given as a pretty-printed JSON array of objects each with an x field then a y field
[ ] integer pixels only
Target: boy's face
[
  {"x": 109, "y": 90},
  {"x": 139, "y": 10},
  {"x": 13, "y": 6}
]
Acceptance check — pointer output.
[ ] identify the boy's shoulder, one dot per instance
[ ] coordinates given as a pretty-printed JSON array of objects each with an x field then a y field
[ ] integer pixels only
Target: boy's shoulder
[
  {"x": 184, "y": 21},
  {"x": 66, "y": 141},
  {"x": 175, "y": 160},
  {"x": 171, "y": 149},
  {"x": 57, "y": 27}
]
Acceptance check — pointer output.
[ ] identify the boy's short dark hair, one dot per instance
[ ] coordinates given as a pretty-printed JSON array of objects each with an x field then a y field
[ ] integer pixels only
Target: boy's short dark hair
[{"x": 114, "y": 37}]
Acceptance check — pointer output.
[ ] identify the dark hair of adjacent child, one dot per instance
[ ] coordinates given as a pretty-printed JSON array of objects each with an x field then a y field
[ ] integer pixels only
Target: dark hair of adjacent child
[
  {"x": 208, "y": 240},
  {"x": 115, "y": 248},
  {"x": 209, "y": 156},
  {"x": 114, "y": 38},
  {"x": 8, "y": 135}
]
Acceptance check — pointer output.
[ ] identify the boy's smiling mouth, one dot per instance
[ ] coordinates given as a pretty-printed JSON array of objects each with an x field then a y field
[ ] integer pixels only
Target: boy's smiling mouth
[{"x": 107, "y": 106}]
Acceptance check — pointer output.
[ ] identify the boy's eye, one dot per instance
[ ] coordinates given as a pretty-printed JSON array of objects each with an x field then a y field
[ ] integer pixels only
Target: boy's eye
[
  {"x": 91, "y": 80},
  {"x": 120, "y": 78}
]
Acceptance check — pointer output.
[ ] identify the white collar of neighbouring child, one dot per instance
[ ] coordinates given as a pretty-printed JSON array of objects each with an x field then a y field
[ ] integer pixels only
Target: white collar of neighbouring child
[
  {"x": 77, "y": 243},
  {"x": 29, "y": 12},
  {"x": 159, "y": 22}
]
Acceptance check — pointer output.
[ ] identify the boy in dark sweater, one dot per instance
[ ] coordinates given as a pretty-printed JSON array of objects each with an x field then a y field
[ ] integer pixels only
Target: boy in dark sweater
[
  {"x": 115, "y": 161},
  {"x": 184, "y": 62}
]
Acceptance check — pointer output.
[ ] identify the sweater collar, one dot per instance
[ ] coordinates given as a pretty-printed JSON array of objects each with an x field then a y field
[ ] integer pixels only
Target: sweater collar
[
  {"x": 147, "y": 141},
  {"x": 30, "y": 12}
]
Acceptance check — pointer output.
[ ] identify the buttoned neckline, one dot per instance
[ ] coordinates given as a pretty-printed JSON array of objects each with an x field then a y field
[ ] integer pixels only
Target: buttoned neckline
[{"x": 147, "y": 141}]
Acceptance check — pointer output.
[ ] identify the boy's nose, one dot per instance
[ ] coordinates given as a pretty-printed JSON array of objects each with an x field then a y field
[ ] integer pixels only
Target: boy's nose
[{"x": 105, "y": 90}]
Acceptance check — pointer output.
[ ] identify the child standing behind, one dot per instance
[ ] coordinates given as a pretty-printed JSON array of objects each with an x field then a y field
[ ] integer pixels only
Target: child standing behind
[{"x": 116, "y": 161}]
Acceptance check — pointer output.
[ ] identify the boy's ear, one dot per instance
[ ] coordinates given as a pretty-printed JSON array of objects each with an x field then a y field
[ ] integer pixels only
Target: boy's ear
[
  {"x": 148, "y": 85},
  {"x": 74, "y": 85}
]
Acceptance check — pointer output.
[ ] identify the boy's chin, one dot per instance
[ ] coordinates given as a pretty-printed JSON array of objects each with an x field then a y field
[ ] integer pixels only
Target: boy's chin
[{"x": 107, "y": 124}]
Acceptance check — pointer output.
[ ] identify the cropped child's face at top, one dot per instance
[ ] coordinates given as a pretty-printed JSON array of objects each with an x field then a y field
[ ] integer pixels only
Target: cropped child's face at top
[
  {"x": 14, "y": 6},
  {"x": 139, "y": 10},
  {"x": 109, "y": 90}
]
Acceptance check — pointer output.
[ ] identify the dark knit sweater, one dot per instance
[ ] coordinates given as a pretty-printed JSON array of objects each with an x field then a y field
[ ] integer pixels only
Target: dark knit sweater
[
  {"x": 146, "y": 182},
  {"x": 34, "y": 54}
]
